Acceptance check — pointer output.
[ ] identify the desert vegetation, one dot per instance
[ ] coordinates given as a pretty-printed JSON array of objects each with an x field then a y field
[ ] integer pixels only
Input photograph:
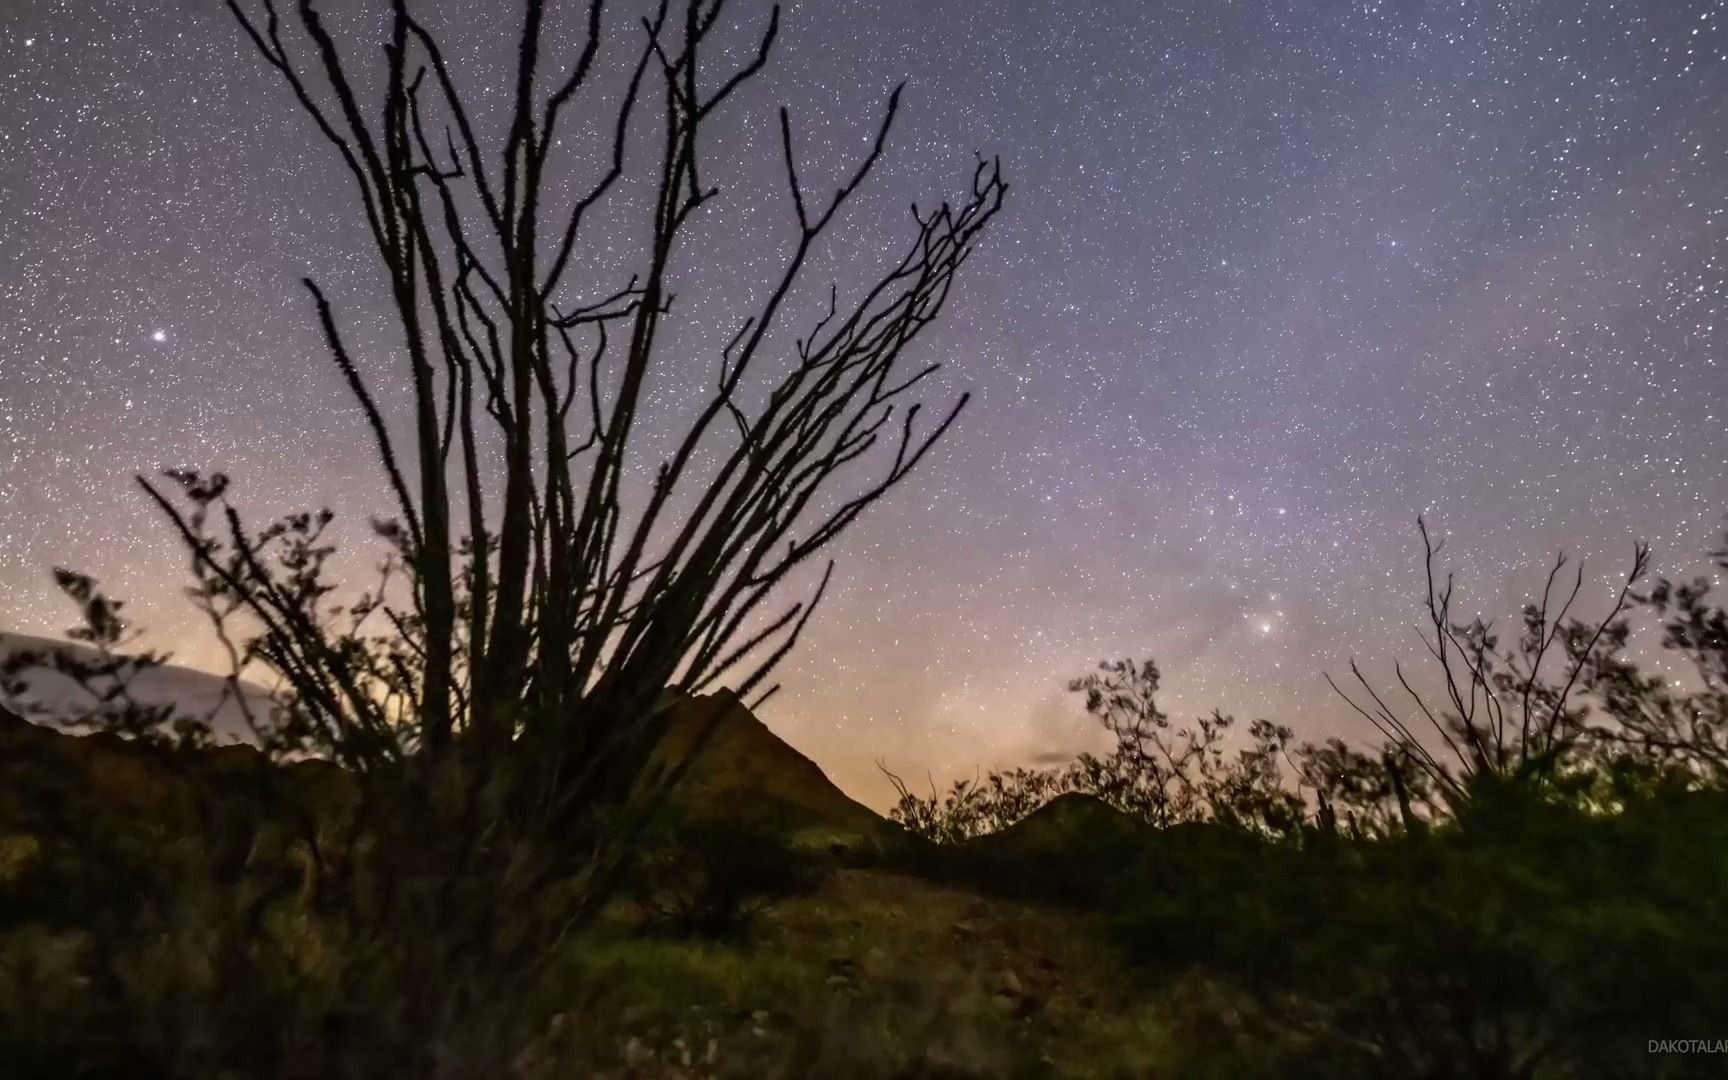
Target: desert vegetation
[
  {"x": 504, "y": 810},
  {"x": 1520, "y": 880},
  {"x": 1199, "y": 902},
  {"x": 497, "y": 697}
]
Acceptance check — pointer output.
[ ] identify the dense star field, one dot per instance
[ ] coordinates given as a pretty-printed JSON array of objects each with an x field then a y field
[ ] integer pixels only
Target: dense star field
[{"x": 1274, "y": 278}]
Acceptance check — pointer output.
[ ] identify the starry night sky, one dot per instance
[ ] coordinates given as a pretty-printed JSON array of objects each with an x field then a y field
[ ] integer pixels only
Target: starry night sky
[{"x": 1274, "y": 278}]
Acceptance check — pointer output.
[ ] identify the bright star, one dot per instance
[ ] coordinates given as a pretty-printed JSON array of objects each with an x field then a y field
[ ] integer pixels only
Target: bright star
[{"x": 159, "y": 336}]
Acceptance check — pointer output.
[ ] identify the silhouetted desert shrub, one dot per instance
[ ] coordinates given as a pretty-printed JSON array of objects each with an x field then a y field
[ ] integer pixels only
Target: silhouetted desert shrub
[
  {"x": 1524, "y": 880},
  {"x": 1159, "y": 773},
  {"x": 1529, "y": 937},
  {"x": 194, "y": 913},
  {"x": 710, "y": 876}
]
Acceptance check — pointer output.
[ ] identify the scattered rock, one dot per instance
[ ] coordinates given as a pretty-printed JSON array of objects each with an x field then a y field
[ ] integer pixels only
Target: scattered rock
[
  {"x": 876, "y": 963},
  {"x": 635, "y": 1053},
  {"x": 16, "y": 853},
  {"x": 1011, "y": 996}
]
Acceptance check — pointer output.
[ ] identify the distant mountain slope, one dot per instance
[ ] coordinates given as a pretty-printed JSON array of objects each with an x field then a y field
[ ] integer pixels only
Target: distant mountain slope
[
  {"x": 1057, "y": 825},
  {"x": 194, "y": 692},
  {"x": 742, "y": 762},
  {"x": 1077, "y": 847}
]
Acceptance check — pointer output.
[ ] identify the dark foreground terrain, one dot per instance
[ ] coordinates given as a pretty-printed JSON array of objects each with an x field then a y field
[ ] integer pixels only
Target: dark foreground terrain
[{"x": 165, "y": 914}]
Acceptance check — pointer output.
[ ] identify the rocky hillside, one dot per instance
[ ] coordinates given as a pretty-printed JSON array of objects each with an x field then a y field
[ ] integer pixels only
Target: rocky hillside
[{"x": 737, "y": 759}]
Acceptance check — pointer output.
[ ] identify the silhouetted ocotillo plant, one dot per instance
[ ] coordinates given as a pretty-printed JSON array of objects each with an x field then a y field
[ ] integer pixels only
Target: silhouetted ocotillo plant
[
  {"x": 1518, "y": 712},
  {"x": 540, "y": 607}
]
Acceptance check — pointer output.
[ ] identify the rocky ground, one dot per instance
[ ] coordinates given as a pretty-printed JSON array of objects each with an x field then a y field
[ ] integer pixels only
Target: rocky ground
[{"x": 878, "y": 974}]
